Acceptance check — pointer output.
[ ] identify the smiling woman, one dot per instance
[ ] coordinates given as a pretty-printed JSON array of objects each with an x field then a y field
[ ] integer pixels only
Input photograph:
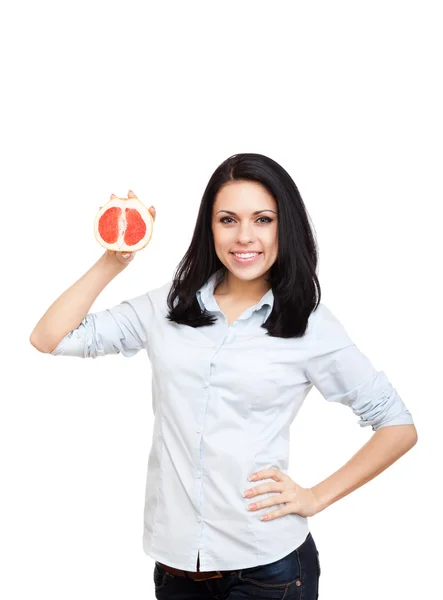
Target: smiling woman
[
  {"x": 253, "y": 229},
  {"x": 236, "y": 342}
]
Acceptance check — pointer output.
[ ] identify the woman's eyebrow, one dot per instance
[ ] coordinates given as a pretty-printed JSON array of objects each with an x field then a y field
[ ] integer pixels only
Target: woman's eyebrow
[{"x": 254, "y": 213}]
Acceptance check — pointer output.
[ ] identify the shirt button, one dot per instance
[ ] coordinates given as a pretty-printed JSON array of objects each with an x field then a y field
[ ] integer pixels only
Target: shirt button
[
  {"x": 206, "y": 385},
  {"x": 199, "y": 519},
  {"x": 199, "y": 430},
  {"x": 199, "y": 473}
]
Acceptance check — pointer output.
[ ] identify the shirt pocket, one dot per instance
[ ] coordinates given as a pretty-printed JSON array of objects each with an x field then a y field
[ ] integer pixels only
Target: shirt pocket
[
  {"x": 250, "y": 374},
  {"x": 239, "y": 376},
  {"x": 282, "y": 375}
]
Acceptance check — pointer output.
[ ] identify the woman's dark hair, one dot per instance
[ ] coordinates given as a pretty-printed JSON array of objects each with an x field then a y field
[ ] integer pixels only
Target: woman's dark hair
[{"x": 293, "y": 275}]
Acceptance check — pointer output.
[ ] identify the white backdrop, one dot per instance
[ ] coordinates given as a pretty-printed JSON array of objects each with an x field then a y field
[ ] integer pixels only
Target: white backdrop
[{"x": 101, "y": 97}]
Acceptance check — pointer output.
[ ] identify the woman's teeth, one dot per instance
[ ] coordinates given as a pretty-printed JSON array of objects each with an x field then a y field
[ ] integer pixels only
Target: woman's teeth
[{"x": 246, "y": 256}]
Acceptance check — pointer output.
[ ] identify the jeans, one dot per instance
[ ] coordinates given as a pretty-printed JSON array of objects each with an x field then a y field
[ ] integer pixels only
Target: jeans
[{"x": 293, "y": 577}]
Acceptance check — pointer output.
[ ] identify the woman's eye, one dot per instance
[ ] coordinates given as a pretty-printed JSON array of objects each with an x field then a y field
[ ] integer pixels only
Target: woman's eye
[{"x": 268, "y": 219}]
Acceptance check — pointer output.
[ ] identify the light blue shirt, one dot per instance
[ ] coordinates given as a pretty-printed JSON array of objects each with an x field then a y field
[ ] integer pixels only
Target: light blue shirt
[{"x": 224, "y": 398}]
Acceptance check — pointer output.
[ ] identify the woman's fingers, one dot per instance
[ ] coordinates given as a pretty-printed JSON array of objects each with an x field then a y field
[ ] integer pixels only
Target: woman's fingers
[
  {"x": 127, "y": 256},
  {"x": 122, "y": 257},
  {"x": 132, "y": 195},
  {"x": 151, "y": 208}
]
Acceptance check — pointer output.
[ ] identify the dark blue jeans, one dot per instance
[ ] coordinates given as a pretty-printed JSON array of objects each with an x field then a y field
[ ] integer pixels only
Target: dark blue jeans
[{"x": 293, "y": 577}]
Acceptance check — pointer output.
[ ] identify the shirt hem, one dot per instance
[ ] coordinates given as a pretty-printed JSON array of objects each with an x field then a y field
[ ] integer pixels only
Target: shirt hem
[{"x": 227, "y": 565}]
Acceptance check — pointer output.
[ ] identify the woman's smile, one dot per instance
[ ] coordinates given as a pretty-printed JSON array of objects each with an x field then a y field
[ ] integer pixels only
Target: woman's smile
[{"x": 247, "y": 259}]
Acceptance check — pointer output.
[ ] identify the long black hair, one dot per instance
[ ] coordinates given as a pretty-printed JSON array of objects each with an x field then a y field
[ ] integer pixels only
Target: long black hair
[{"x": 293, "y": 275}]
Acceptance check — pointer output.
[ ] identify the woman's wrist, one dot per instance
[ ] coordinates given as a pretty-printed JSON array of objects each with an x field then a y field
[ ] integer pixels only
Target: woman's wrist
[{"x": 111, "y": 264}]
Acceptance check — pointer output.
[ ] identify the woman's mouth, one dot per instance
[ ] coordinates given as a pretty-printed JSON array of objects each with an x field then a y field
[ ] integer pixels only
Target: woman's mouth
[{"x": 246, "y": 257}]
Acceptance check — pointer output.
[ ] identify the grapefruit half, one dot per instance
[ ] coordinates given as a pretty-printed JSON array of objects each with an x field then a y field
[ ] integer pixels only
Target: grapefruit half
[{"x": 124, "y": 225}]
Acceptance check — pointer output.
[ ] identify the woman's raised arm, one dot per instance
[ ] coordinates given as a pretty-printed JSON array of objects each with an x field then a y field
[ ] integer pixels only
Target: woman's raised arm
[{"x": 68, "y": 311}]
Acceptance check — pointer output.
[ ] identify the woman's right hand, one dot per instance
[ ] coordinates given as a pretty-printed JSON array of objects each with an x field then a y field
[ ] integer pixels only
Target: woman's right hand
[{"x": 125, "y": 258}]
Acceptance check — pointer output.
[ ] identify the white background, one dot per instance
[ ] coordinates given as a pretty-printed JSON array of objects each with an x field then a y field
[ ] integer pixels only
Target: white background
[{"x": 102, "y": 97}]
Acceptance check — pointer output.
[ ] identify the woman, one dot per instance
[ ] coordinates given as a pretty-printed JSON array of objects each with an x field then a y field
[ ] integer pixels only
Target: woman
[{"x": 236, "y": 341}]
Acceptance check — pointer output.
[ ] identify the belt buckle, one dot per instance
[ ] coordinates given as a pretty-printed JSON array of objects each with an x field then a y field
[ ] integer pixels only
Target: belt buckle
[{"x": 216, "y": 576}]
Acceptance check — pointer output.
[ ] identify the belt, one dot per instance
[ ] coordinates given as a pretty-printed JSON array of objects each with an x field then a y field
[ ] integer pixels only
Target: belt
[{"x": 195, "y": 575}]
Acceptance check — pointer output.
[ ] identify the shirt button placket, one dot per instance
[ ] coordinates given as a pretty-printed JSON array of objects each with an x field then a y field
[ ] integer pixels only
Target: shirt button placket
[
  {"x": 205, "y": 386},
  {"x": 199, "y": 471}
]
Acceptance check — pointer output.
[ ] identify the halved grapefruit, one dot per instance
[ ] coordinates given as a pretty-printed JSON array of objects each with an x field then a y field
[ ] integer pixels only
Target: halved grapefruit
[{"x": 124, "y": 225}]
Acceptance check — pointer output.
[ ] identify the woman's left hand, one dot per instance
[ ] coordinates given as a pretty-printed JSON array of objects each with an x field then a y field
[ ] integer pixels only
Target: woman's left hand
[{"x": 297, "y": 500}]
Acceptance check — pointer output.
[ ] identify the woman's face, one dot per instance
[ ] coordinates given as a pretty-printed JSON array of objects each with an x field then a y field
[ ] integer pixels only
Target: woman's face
[{"x": 237, "y": 229}]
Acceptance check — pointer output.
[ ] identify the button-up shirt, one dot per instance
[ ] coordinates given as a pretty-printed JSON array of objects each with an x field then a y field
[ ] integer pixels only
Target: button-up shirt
[{"x": 224, "y": 397}]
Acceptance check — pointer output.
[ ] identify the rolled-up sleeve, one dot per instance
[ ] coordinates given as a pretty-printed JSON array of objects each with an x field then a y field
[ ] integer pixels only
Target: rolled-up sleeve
[
  {"x": 123, "y": 329},
  {"x": 342, "y": 373}
]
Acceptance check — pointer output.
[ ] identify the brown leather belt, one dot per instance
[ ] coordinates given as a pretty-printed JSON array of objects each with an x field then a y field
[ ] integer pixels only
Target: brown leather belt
[{"x": 195, "y": 575}]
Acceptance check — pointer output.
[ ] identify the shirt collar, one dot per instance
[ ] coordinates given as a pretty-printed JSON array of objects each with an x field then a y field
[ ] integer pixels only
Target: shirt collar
[{"x": 205, "y": 296}]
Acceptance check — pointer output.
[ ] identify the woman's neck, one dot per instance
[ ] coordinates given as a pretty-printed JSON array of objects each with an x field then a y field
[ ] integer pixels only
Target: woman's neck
[{"x": 240, "y": 289}]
